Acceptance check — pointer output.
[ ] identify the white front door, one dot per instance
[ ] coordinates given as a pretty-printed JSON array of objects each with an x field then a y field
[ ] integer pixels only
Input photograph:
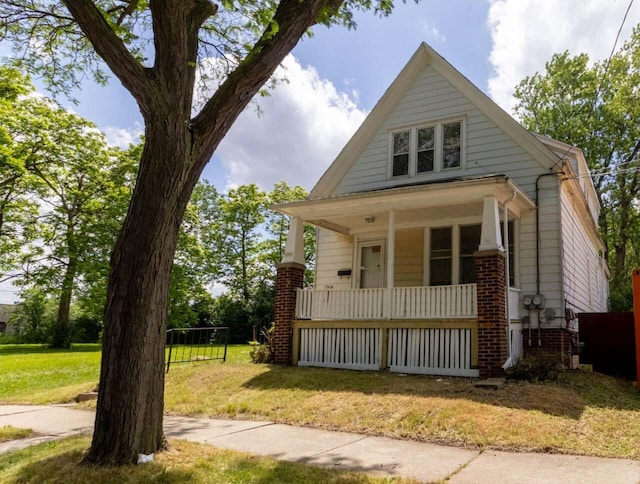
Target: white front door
[{"x": 371, "y": 262}]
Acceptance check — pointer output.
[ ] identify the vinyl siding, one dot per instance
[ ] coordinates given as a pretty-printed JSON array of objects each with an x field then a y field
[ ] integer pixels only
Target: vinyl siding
[
  {"x": 432, "y": 98},
  {"x": 550, "y": 273},
  {"x": 409, "y": 250},
  {"x": 585, "y": 286},
  {"x": 335, "y": 252}
]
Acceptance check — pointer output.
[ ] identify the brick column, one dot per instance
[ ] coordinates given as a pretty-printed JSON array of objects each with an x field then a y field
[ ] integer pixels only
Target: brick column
[
  {"x": 492, "y": 321},
  {"x": 290, "y": 276}
]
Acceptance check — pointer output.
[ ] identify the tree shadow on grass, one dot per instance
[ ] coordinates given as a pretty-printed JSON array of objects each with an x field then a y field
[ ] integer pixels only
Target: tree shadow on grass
[
  {"x": 566, "y": 398},
  {"x": 66, "y": 468},
  {"x": 194, "y": 463}
]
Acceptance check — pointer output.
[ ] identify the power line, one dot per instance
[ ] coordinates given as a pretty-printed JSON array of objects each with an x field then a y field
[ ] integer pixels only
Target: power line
[{"x": 613, "y": 49}]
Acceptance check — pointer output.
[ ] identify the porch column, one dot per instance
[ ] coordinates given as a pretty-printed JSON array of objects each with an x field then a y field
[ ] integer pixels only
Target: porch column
[
  {"x": 294, "y": 249},
  {"x": 490, "y": 261},
  {"x": 490, "y": 237},
  {"x": 289, "y": 277},
  {"x": 391, "y": 250}
]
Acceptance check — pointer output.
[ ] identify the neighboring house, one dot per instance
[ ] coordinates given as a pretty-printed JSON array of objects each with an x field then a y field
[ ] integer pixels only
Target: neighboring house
[
  {"x": 5, "y": 313},
  {"x": 413, "y": 256}
]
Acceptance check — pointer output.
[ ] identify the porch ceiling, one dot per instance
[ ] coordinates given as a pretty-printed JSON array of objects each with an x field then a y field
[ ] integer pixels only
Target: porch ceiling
[{"x": 413, "y": 204}]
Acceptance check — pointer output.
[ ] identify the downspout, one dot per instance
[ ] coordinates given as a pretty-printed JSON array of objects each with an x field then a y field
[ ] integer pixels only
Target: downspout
[
  {"x": 505, "y": 244},
  {"x": 551, "y": 173}
]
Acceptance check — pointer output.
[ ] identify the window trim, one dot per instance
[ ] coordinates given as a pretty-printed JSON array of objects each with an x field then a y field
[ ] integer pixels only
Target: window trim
[{"x": 438, "y": 146}]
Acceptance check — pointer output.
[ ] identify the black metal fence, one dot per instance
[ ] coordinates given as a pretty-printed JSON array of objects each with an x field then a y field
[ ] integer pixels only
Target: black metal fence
[{"x": 196, "y": 344}]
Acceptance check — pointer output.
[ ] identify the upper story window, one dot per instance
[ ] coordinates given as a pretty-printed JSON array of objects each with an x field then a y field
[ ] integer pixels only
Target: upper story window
[
  {"x": 427, "y": 149},
  {"x": 451, "y": 143},
  {"x": 401, "y": 144}
]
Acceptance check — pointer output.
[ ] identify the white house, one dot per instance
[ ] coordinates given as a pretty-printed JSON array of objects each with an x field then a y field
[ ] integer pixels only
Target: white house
[{"x": 445, "y": 230}]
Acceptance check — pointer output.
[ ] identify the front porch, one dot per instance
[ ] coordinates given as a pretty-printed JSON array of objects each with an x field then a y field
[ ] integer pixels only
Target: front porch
[{"x": 415, "y": 279}]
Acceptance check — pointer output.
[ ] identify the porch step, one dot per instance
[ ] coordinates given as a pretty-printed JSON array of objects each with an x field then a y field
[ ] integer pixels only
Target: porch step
[{"x": 490, "y": 383}]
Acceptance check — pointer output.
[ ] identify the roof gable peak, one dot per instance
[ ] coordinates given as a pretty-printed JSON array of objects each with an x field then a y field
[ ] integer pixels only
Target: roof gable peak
[{"x": 423, "y": 57}]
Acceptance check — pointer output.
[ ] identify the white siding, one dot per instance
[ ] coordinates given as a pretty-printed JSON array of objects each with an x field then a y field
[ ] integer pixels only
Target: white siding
[
  {"x": 335, "y": 252},
  {"x": 550, "y": 274},
  {"x": 431, "y": 98},
  {"x": 585, "y": 283}
]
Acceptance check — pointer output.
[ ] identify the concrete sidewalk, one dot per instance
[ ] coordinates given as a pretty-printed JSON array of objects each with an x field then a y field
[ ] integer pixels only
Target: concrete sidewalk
[{"x": 374, "y": 455}]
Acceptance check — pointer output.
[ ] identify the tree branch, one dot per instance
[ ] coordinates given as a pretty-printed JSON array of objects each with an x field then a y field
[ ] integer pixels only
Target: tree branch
[
  {"x": 176, "y": 25},
  {"x": 112, "y": 50},
  {"x": 290, "y": 21}
]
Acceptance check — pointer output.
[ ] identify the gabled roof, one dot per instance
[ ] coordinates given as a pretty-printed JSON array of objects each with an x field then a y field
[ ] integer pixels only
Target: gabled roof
[{"x": 423, "y": 57}]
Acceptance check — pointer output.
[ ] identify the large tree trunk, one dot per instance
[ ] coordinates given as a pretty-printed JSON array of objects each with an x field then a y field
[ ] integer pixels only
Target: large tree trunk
[{"x": 131, "y": 396}]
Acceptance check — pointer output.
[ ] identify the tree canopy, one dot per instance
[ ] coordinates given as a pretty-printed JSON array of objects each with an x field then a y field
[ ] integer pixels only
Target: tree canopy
[{"x": 596, "y": 107}]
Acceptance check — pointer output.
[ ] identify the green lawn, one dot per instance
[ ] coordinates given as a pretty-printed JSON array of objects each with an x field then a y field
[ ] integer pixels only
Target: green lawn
[
  {"x": 57, "y": 462},
  {"x": 38, "y": 375},
  {"x": 7, "y": 432},
  {"x": 583, "y": 413}
]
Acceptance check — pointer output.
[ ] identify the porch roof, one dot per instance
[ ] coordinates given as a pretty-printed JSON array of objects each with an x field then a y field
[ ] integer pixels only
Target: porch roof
[{"x": 412, "y": 204}]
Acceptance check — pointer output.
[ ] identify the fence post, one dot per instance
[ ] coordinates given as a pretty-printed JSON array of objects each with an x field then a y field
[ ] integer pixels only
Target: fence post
[
  {"x": 226, "y": 342},
  {"x": 636, "y": 319},
  {"x": 170, "y": 350}
]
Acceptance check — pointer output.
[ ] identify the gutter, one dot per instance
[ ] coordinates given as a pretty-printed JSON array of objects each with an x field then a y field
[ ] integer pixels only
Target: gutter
[{"x": 505, "y": 243}]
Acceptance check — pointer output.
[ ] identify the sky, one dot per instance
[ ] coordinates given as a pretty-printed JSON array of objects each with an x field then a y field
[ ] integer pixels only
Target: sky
[{"x": 336, "y": 77}]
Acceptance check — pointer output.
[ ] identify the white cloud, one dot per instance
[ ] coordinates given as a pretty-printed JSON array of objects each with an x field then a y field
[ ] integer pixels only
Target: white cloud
[
  {"x": 526, "y": 33},
  {"x": 302, "y": 127},
  {"x": 433, "y": 32},
  {"x": 8, "y": 293},
  {"x": 123, "y": 137}
]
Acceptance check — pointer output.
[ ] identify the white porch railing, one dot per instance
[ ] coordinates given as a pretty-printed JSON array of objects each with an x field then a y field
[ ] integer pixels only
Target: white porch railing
[
  {"x": 340, "y": 304},
  {"x": 458, "y": 301},
  {"x": 514, "y": 303}
]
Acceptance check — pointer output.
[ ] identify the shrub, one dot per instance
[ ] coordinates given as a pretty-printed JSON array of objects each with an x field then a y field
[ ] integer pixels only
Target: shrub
[
  {"x": 535, "y": 369},
  {"x": 261, "y": 352}
]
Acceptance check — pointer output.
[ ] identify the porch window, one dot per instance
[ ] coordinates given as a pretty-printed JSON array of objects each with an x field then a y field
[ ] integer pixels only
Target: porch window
[
  {"x": 440, "y": 257},
  {"x": 442, "y": 254},
  {"x": 469, "y": 242},
  {"x": 427, "y": 149}
]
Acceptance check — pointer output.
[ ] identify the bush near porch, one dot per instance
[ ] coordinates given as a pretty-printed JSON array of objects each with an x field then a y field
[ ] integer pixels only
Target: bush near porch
[{"x": 582, "y": 413}]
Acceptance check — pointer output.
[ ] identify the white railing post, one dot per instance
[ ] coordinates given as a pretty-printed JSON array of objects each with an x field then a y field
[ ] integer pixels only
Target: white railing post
[{"x": 391, "y": 249}]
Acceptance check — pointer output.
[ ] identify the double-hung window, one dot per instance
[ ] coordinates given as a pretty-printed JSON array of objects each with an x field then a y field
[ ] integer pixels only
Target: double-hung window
[
  {"x": 451, "y": 260},
  {"x": 401, "y": 145},
  {"x": 427, "y": 149},
  {"x": 451, "y": 143}
]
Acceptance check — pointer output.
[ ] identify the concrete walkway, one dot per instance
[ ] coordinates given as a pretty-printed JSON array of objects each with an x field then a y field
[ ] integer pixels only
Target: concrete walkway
[{"x": 374, "y": 455}]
